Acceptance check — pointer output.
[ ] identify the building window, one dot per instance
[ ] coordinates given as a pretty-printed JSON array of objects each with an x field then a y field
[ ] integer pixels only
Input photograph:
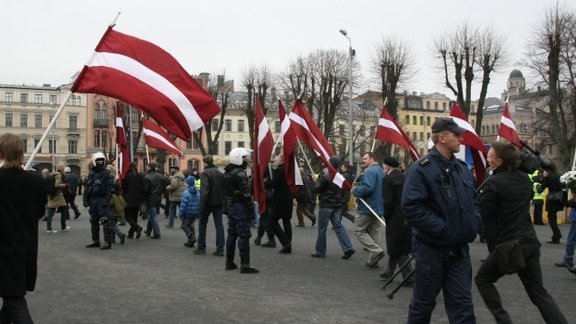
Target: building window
[
  {"x": 9, "y": 96},
  {"x": 427, "y": 104},
  {"x": 443, "y": 106},
  {"x": 214, "y": 126},
  {"x": 421, "y": 137},
  {"x": 51, "y": 146},
  {"x": 173, "y": 162},
  {"x": 9, "y": 119},
  {"x": 414, "y": 120},
  {"x": 37, "y": 120},
  {"x": 195, "y": 141},
  {"x": 228, "y": 126},
  {"x": 428, "y": 121},
  {"x": 342, "y": 130},
  {"x": 192, "y": 165},
  {"x": 96, "y": 138},
  {"x": 421, "y": 120},
  {"x": 79, "y": 102},
  {"x": 73, "y": 122},
  {"x": 436, "y": 105},
  {"x": 24, "y": 98},
  {"x": 38, "y": 98},
  {"x": 36, "y": 141},
  {"x": 73, "y": 100},
  {"x": 277, "y": 126},
  {"x": 241, "y": 144},
  {"x": 407, "y": 119},
  {"x": 414, "y": 136},
  {"x": 189, "y": 145},
  {"x": 240, "y": 125},
  {"x": 100, "y": 111},
  {"x": 25, "y": 144},
  {"x": 227, "y": 147},
  {"x": 72, "y": 147},
  {"x": 104, "y": 137},
  {"x": 50, "y": 117},
  {"x": 23, "y": 120},
  {"x": 53, "y": 99}
]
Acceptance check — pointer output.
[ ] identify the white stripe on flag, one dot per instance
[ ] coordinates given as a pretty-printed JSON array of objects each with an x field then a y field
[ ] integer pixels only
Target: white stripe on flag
[
  {"x": 297, "y": 175},
  {"x": 300, "y": 121},
  {"x": 464, "y": 124},
  {"x": 263, "y": 130},
  {"x": 388, "y": 124},
  {"x": 139, "y": 71},
  {"x": 157, "y": 136},
  {"x": 119, "y": 122},
  {"x": 339, "y": 179},
  {"x": 508, "y": 122}
]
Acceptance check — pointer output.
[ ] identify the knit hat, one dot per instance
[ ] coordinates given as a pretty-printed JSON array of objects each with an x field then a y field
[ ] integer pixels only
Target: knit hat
[
  {"x": 190, "y": 180},
  {"x": 335, "y": 161}
]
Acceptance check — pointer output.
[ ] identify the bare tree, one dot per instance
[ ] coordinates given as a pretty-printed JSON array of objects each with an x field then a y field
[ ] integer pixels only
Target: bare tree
[
  {"x": 551, "y": 56},
  {"x": 460, "y": 51},
  {"x": 218, "y": 88},
  {"x": 256, "y": 80}
]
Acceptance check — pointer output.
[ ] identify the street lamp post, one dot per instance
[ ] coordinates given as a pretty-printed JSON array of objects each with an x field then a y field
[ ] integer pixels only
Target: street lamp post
[{"x": 350, "y": 128}]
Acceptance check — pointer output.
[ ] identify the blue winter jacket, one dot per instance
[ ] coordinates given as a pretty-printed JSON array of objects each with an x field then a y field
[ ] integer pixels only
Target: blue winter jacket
[
  {"x": 370, "y": 189},
  {"x": 190, "y": 204},
  {"x": 439, "y": 201}
]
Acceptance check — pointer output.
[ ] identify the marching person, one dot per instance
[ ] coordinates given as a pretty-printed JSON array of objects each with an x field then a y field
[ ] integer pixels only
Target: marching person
[
  {"x": 239, "y": 207},
  {"x": 57, "y": 202},
  {"x": 22, "y": 202},
  {"x": 190, "y": 210},
  {"x": 366, "y": 226},
  {"x": 97, "y": 194},
  {"x": 175, "y": 190},
  {"x": 505, "y": 206},
  {"x": 133, "y": 193},
  {"x": 282, "y": 205},
  {"x": 554, "y": 200},
  {"x": 70, "y": 192},
  {"x": 155, "y": 183},
  {"x": 439, "y": 202}
]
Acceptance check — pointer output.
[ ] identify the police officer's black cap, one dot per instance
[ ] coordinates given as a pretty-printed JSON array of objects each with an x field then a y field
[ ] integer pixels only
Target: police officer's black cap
[{"x": 446, "y": 124}]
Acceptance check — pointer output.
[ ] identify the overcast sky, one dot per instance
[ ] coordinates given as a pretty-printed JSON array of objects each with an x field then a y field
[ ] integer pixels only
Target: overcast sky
[{"x": 48, "y": 41}]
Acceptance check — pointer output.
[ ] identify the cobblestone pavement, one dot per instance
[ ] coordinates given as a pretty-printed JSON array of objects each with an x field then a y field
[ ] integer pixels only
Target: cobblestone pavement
[{"x": 161, "y": 281}]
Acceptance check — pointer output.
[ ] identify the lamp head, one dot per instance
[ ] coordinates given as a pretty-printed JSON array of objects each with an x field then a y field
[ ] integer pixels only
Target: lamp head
[{"x": 343, "y": 32}]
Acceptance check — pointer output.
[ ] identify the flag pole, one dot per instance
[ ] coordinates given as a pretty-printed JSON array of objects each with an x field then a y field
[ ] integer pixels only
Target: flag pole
[
  {"x": 48, "y": 129},
  {"x": 118, "y": 162},
  {"x": 305, "y": 157}
]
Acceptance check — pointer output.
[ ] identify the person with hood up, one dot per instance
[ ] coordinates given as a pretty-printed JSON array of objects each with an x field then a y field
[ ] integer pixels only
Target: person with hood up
[{"x": 190, "y": 210}]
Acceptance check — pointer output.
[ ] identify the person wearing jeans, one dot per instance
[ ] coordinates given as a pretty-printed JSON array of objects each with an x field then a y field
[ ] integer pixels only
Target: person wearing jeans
[
  {"x": 568, "y": 260},
  {"x": 330, "y": 202}
]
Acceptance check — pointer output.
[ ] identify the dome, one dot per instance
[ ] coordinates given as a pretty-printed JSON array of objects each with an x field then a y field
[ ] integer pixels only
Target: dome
[{"x": 516, "y": 74}]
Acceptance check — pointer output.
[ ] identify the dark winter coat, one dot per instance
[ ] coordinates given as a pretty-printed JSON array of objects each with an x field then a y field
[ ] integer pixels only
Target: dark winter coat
[
  {"x": 22, "y": 203},
  {"x": 133, "y": 189},
  {"x": 398, "y": 231},
  {"x": 505, "y": 207},
  {"x": 211, "y": 187},
  {"x": 155, "y": 183},
  {"x": 552, "y": 182},
  {"x": 329, "y": 194},
  {"x": 72, "y": 180},
  {"x": 282, "y": 199}
]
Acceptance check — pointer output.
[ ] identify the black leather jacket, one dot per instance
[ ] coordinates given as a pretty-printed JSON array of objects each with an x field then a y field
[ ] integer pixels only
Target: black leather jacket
[
  {"x": 211, "y": 187},
  {"x": 329, "y": 194}
]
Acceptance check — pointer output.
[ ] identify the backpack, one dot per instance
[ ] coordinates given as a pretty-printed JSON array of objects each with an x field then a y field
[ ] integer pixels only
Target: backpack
[{"x": 50, "y": 184}]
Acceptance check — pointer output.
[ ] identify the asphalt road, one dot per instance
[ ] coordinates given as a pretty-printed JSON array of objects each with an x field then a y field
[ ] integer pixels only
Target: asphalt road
[{"x": 161, "y": 281}]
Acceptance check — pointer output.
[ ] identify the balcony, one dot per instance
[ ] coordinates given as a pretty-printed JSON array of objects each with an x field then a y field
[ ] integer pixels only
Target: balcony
[
  {"x": 74, "y": 131},
  {"x": 100, "y": 123}
]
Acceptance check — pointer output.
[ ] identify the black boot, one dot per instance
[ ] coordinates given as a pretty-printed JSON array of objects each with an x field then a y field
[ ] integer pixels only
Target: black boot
[
  {"x": 191, "y": 240},
  {"x": 230, "y": 265},
  {"x": 245, "y": 265},
  {"x": 286, "y": 249},
  {"x": 258, "y": 240},
  {"x": 270, "y": 244},
  {"x": 93, "y": 245}
]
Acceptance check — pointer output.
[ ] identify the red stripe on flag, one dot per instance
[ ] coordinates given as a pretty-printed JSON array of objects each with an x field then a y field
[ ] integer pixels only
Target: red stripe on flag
[
  {"x": 390, "y": 132},
  {"x": 155, "y": 137},
  {"x": 263, "y": 145},
  {"x": 289, "y": 144},
  {"x": 507, "y": 129},
  {"x": 123, "y": 156}
]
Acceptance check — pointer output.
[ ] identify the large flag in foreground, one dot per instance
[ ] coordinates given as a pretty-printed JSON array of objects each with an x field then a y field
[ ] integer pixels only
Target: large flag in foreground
[
  {"x": 262, "y": 154},
  {"x": 149, "y": 78},
  {"x": 123, "y": 159},
  {"x": 155, "y": 137},
  {"x": 472, "y": 140},
  {"x": 507, "y": 128},
  {"x": 308, "y": 132},
  {"x": 390, "y": 132},
  {"x": 289, "y": 144}
]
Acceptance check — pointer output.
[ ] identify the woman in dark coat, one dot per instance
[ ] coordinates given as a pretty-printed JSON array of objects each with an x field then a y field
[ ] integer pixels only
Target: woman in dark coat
[
  {"x": 133, "y": 193},
  {"x": 282, "y": 206},
  {"x": 551, "y": 180},
  {"x": 22, "y": 203},
  {"x": 398, "y": 232}
]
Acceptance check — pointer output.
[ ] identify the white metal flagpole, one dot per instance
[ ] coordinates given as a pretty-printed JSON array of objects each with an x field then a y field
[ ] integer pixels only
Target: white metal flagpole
[{"x": 48, "y": 129}]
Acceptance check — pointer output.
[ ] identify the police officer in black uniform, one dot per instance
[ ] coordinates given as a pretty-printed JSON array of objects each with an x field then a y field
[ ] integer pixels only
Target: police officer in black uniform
[
  {"x": 239, "y": 207},
  {"x": 439, "y": 202},
  {"x": 98, "y": 190}
]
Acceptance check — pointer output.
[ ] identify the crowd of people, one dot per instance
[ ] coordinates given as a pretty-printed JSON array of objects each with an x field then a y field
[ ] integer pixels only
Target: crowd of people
[{"x": 431, "y": 212}]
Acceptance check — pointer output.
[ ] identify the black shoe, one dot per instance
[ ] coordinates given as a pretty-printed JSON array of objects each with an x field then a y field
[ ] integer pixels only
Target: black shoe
[
  {"x": 286, "y": 249},
  {"x": 191, "y": 241},
  {"x": 316, "y": 255},
  {"x": 247, "y": 269},
  {"x": 122, "y": 239},
  {"x": 348, "y": 254},
  {"x": 563, "y": 263},
  {"x": 106, "y": 246},
  {"x": 199, "y": 251},
  {"x": 155, "y": 237},
  {"x": 93, "y": 245},
  {"x": 230, "y": 266},
  {"x": 572, "y": 269},
  {"x": 139, "y": 232},
  {"x": 218, "y": 253},
  {"x": 258, "y": 240},
  {"x": 269, "y": 244},
  {"x": 77, "y": 215}
]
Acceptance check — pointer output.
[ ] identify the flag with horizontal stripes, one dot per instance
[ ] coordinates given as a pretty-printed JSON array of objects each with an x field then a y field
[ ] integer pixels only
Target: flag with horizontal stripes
[
  {"x": 149, "y": 78},
  {"x": 507, "y": 128},
  {"x": 156, "y": 137},
  {"x": 390, "y": 132}
]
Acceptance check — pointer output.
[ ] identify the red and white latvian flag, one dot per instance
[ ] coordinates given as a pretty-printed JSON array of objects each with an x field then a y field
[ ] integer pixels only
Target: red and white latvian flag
[
  {"x": 472, "y": 140},
  {"x": 390, "y": 132},
  {"x": 262, "y": 154},
  {"x": 155, "y": 137},
  {"x": 308, "y": 132},
  {"x": 149, "y": 78},
  {"x": 123, "y": 160},
  {"x": 507, "y": 128},
  {"x": 289, "y": 144}
]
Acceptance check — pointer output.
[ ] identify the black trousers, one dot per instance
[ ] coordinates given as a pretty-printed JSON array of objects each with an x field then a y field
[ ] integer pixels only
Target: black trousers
[
  {"x": 553, "y": 221},
  {"x": 284, "y": 235},
  {"x": 131, "y": 215},
  {"x": 531, "y": 277},
  {"x": 15, "y": 310},
  {"x": 538, "y": 206},
  {"x": 265, "y": 226}
]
